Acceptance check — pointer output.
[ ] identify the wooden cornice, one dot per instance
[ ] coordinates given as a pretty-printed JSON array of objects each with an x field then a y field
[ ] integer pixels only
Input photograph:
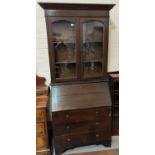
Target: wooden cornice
[{"x": 75, "y": 6}]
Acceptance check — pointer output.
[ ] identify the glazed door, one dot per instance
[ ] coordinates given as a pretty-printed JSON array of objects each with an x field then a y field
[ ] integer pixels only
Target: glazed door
[
  {"x": 93, "y": 47},
  {"x": 63, "y": 47}
]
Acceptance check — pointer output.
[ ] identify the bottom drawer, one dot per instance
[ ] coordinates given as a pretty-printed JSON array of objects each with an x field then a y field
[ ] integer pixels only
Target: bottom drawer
[
  {"x": 41, "y": 142},
  {"x": 43, "y": 153},
  {"x": 69, "y": 141}
]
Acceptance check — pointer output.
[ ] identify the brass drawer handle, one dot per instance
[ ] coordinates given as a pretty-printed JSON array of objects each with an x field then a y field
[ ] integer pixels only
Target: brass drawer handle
[
  {"x": 67, "y": 127},
  {"x": 68, "y": 140},
  {"x": 110, "y": 114},
  {"x": 97, "y": 135},
  {"x": 97, "y": 123},
  {"x": 97, "y": 113},
  {"x": 67, "y": 116}
]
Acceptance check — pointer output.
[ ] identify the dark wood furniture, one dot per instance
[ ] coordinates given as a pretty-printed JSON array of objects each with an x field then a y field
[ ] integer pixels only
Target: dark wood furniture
[
  {"x": 77, "y": 41},
  {"x": 42, "y": 147},
  {"x": 81, "y": 115},
  {"x": 80, "y": 96},
  {"x": 114, "y": 87}
]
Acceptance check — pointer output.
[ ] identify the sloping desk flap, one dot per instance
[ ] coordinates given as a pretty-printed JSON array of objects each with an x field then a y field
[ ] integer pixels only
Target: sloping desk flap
[{"x": 80, "y": 96}]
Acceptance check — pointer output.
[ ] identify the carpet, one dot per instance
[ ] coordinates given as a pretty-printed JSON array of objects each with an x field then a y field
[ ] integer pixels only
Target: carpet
[{"x": 106, "y": 152}]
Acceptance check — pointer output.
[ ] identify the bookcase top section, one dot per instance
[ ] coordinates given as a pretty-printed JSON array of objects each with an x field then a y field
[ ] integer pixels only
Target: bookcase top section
[{"x": 76, "y": 6}]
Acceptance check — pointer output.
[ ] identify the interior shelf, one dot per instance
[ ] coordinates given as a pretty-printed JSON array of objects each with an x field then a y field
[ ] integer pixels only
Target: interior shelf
[
  {"x": 87, "y": 42},
  {"x": 65, "y": 78},
  {"x": 90, "y": 61},
  {"x": 65, "y": 62},
  {"x": 59, "y": 42},
  {"x": 92, "y": 75}
]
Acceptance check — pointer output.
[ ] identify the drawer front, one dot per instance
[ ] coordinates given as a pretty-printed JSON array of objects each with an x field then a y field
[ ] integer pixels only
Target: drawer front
[
  {"x": 43, "y": 153},
  {"x": 68, "y": 141},
  {"x": 74, "y": 116},
  {"x": 40, "y": 115},
  {"x": 40, "y": 129},
  {"x": 90, "y": 126},
  {"x": 115, "y": 123},
  {"x": 41, "y": 142}
]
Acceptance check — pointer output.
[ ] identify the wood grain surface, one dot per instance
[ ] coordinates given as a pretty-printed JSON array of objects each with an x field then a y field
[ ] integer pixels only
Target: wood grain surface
[
  {"x": 80, "y": 96},
  {"x": 108, "y": 152}
]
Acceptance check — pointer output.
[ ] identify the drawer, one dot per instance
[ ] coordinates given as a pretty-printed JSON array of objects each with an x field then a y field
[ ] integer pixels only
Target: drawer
[
  {"x": 115, "y": 113},
  {"x": 41, "y": 142},
  {"x": 43, "y": 153},
  {"x": 69, "y": 141},
  {"x": 115, "y": 123},
  {"x": 116, "y": 85},
  {"x": 40, "y": 129},
  {"x": 82, "y": 127},
  {"x": 74, "y": 116},
  {"x": 116, "y": 98},
  {"x": 40, "y": 115}
]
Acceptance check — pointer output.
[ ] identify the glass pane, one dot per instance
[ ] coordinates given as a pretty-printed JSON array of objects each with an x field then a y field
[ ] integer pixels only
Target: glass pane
[
  {"x": 93, "y": 48},
  {"x": 64, "y": 48}
]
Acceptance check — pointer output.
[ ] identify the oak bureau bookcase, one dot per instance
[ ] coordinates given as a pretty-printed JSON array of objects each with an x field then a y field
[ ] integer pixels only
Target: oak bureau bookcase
[{"x": 78, "y": 52}]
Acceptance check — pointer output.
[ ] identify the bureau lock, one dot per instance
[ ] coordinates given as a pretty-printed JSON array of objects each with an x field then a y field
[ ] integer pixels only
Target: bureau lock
[
  {"x": 67, "y": 127},
  {"x": 67, "y": 116},
  {"x": 97, "y": 123},
  {"x": 97, "y": 135},
  {"x": 97, "y": 113},
  {"x": 110, "y": 114}
]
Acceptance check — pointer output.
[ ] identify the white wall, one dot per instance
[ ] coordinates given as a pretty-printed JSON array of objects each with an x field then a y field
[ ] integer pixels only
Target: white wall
[{"x": 42, "y": 65}]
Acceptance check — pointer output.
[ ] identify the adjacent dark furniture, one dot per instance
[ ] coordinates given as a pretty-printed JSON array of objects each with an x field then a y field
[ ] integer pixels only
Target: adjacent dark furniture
[
  {"x": 80, "y": 96},
  {"x": 42, "y": 144},
  {"x": 114, "y": 87}
]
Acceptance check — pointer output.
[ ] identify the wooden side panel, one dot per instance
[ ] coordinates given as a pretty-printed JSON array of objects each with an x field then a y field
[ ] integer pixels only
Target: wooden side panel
[
  {"x": 114, "y": 87},
  {"x": 41, "y": 142},
  {"x": 40, "y": 115},
  {"x": 40, "y": 129},
  {"x": 44, "y": 153}
]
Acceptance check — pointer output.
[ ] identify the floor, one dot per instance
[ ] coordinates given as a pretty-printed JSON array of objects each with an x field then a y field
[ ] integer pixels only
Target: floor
[
  {"x": 93, "y": 148},
  {"x": 105, "y": 152}
]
